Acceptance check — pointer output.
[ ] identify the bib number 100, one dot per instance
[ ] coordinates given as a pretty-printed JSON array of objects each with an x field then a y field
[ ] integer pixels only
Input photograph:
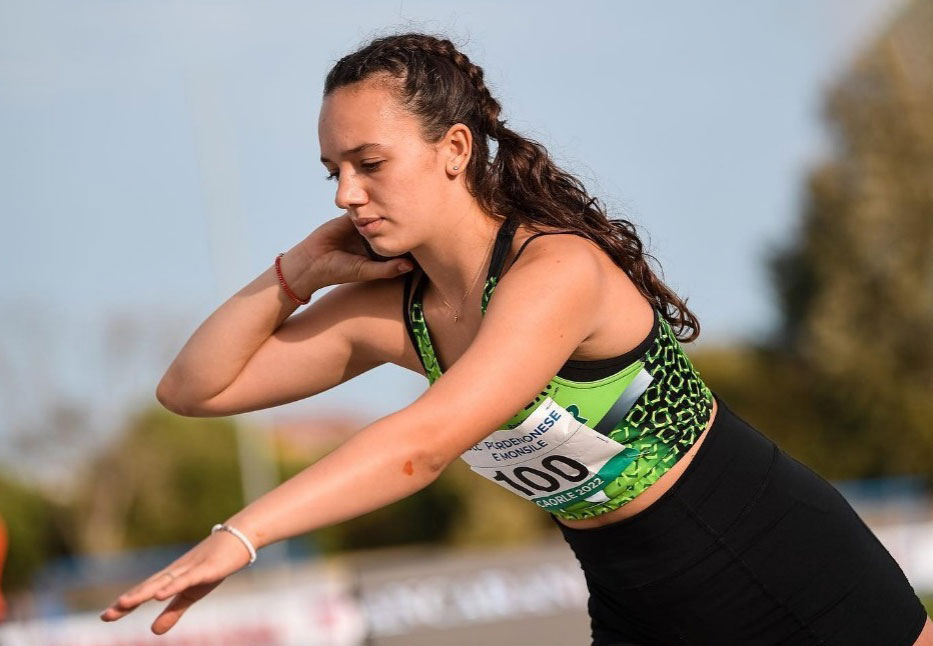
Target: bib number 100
[{"x": 542, "y": 481}]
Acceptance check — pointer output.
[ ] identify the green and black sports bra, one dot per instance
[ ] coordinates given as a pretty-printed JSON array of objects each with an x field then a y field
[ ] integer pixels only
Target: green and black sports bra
[{"x": 601, "y": 431}]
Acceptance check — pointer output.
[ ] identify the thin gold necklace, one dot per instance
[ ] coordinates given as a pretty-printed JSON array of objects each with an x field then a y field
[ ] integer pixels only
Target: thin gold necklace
[{"x": 469, "y": 291}]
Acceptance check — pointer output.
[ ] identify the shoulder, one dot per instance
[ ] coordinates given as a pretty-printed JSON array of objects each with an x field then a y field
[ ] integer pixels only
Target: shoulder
[
  {"x": 543, "y": 308},
  {"x": 566, "y": 268},
  {"x": 582, "y": 272},
  {"x": 560, "y": 245}
]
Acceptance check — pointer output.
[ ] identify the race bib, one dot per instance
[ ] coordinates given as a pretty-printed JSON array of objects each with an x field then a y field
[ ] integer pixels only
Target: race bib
[{"x": 551, "y": 458}]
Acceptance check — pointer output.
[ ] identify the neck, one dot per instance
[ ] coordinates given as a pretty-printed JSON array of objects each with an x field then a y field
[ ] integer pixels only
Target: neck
[{"x": 456, "y": 258}]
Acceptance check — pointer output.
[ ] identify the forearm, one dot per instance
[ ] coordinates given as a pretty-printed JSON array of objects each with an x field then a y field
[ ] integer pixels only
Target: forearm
[
  {"x": 222, "y": 345},
  {"x": 383, "y": 463}
]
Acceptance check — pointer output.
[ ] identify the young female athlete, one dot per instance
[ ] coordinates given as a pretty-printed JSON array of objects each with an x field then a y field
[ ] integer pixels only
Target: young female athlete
[{"x": 560, "y": 377}]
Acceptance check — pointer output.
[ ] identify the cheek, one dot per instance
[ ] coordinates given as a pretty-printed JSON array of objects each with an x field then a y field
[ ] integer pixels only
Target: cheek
[
  {"x": 410, "y": 190},
  {"x": 414, "y": 190}
]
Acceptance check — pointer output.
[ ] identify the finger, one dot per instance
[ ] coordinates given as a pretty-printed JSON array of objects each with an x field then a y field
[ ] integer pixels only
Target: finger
[
  {"x": 147, "y": 588},
  {"x": 177, "y": 606},
  {"x": 195, "y": 583},
  {"x": 172, "y": 613},
  {"x": 372, "y": 269},
  {"x": 178, "y": 584},
  {"x": 131, "y": 599},
  {"x": 119, "y": 608}
]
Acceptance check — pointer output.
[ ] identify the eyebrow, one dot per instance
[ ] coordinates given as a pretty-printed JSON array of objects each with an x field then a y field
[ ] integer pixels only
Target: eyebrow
[{"x": 358, "y": 149}]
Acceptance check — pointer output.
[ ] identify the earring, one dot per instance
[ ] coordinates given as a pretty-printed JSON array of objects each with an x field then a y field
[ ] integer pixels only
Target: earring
[{"x": 456, "y": 167}]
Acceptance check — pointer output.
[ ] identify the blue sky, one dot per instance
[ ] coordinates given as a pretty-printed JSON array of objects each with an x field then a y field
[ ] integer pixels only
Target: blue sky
[{"x": 155, "y": 156}]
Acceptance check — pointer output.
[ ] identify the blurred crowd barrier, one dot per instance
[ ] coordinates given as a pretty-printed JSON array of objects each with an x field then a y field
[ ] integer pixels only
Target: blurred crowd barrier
[
  {"x": 412, "y": 596},
  {"x": 911, "y": 545},
  {"x": 310, "y": 605},
  {"x": 386, "y": 597},
  {"x": 899, "y": 510}
]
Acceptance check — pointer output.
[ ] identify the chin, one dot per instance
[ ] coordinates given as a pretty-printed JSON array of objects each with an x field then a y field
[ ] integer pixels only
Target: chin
[
  {"x": 388, "y": 245},
  {"x": 386, "y": 250}
]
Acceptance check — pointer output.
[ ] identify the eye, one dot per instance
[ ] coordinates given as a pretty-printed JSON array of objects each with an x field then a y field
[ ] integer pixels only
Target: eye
[{"x": 369, "y": 168}]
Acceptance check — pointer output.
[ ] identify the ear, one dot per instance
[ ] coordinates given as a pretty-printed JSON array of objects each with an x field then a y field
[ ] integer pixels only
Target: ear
[{"x": 456, "y": 147}]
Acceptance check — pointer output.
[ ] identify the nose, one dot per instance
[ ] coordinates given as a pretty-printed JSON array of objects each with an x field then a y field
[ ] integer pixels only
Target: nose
[{"x": 349, "y": 192}]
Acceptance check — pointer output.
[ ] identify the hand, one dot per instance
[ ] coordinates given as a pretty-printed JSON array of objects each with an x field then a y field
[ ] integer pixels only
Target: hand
[
  {"x": 336, "y": 253},
  {"x": 190, "y": 578}
]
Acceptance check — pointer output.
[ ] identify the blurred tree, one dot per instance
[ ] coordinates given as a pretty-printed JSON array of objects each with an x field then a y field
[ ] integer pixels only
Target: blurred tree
[
  {"x": 856, "y": 287},
  {"x": 491, "y": 515},
  {"x": 781, "y": 396},
  {"x": 4, "y": 538},
  {"x": 458, "y": 508},
  {"x": 846, "y": 386},
  {"x": 34, "y": 531},
  {"x": 166, "y": 479}
]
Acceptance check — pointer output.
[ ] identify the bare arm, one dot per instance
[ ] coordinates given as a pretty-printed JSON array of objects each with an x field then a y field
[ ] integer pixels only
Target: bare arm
[
  {"x": 543, "y": 309},
  {"x": 388, "y": 460},
  {"x": 219, "y": 349},
  {"x": 250, "y": 354},
  {"x": 531, "y": 327}
]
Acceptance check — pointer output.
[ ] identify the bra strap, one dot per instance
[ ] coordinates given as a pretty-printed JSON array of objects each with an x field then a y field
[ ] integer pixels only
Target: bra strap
[
  {"x": 502, "y": 245},
  {"x": 406, "y": 313}
]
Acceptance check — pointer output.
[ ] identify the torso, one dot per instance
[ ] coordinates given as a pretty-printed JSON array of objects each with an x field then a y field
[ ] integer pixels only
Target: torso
[
  {"x": 618, "y": 335},
  {"x": 649, "y": 495},
  {"x": 630, "y": 322}
]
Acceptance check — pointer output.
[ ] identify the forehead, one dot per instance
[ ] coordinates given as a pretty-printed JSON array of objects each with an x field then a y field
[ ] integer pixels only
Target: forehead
[{"x": 358, "y": 114}]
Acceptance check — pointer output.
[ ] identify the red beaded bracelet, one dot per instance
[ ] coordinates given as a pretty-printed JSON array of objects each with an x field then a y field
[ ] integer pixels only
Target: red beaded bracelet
[{"x": 278, "y": 271}]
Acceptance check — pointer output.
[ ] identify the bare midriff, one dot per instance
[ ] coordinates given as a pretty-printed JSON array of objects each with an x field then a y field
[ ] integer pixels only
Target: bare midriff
[{"x": 649, "y": 495}]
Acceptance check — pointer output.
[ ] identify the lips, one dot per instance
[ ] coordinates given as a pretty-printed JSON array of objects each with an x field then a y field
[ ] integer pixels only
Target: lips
[{"x": 365, "y": 225}]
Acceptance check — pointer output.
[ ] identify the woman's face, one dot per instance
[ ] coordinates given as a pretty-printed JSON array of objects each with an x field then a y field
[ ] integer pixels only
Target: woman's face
[{"x": 400, "y": 179}]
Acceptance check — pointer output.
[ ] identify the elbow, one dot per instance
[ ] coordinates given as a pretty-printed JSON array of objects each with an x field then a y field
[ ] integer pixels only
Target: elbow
[
  {"x": 434, "y": 463},
  {"x": 424, "y": 462},
  {"x": 171, "y": 401},
  {"x": 406, "y": 445},
  {"x": 433, "y": 457},
  {"x": 166, "y": 400},
  {"x": 425, "y": 450},
  {"x": 422, "y": 468}
]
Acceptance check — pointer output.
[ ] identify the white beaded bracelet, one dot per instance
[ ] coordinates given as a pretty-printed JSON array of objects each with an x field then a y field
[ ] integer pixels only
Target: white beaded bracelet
[{"x": 241, "y": 536}]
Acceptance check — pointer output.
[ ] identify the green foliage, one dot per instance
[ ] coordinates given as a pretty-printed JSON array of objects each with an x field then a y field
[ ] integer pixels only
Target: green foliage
[
  {"x": 781, "y": 397},
  {"x": 856, "y": 286},
  {"x": 167, "y": 479},
  {"x": 33, "y": 525},
  {"x": 421, "y": 518},
  {"x": 845, "y": 386},
  {"x": 458, "y": 508},
  {"x": 490, "y": 514}
]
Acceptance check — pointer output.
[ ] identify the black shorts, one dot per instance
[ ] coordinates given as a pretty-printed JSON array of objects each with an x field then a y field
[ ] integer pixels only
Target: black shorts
[{"x": 748, "y": 547}]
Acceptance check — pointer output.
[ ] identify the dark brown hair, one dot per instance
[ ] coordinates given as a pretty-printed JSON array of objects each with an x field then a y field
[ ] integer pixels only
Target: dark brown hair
[{"x": 440, "y": 86}]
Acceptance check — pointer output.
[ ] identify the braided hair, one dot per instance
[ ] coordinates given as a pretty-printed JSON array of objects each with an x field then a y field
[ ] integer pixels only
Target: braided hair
[{"x": 440, "y": 86}]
